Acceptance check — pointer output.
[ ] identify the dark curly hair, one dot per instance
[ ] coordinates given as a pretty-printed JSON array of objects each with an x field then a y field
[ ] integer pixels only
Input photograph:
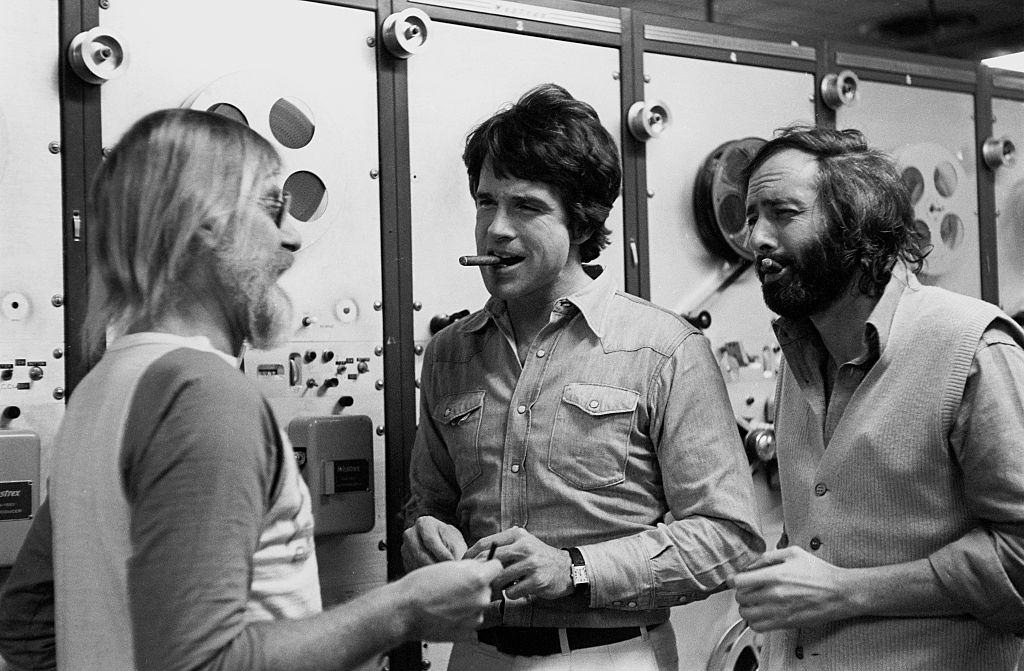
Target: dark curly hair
[
  {"x": 864, "y": 199},
  {"x": 550, "y": 137}
]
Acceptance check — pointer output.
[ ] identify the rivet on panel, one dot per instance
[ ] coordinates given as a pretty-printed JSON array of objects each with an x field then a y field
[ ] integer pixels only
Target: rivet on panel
[
  {"x": 58, "y": 353},
  {"x": 378, "y": 385},
  {"x": 57, "y": 300},
  {"x": 615, "y": 76},
  {"x": 417, "y": 306},
  {"x": 418, "y": 349},
  {"x": 371, "y": 42},
  {"x": 378, "y": 350},
  {"x": 54, "y": 147},
  {"x": 377, "y": 305},
  {"x": 380, "y": 430},
  {"x": 104, "y": 4},
  {"x": 58, "y": 393},
  {"x": 647, "y": 79},
  {"x": 374, "y": 174}
]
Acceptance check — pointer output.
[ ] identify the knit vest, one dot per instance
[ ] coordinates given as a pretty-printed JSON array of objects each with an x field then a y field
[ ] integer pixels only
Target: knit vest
[{"x": 887, "y": 489}]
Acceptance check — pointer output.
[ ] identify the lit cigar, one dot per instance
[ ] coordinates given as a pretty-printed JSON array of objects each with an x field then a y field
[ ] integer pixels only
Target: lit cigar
[{"x": 483, "y": 260}]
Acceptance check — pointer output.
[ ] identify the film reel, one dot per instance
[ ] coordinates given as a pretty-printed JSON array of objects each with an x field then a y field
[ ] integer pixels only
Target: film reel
[{"x": 718, "y": 199}]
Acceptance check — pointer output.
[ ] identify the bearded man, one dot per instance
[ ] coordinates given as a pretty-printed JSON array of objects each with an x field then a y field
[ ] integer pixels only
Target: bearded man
[
  {"x": 178, "y": 533},
  {"x": 899, "y": 424}
]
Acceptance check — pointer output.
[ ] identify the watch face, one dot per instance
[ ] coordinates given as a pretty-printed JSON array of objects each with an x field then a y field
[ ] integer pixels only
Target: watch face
[{"x": 579, "y": 575}]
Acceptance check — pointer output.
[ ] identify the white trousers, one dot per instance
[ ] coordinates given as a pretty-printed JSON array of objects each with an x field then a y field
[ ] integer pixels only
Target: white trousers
[{"x": 653, "y": 651}]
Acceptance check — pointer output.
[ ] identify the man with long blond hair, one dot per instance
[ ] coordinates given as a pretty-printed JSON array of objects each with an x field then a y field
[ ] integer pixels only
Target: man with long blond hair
[{"x": 182, "y": 533}]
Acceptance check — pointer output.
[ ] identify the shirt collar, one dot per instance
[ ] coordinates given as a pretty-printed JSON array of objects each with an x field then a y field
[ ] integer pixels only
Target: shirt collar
[
  {"x": 593, "y": 301},
  {"x": 876, "y": 328},
  {"x": 201, "y": 343}
]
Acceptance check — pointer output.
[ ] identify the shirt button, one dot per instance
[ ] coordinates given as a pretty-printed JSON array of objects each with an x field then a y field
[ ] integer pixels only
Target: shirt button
[
  {"x": 820, "y": 489},
  {"x": 447, "y": 412},
  {"x": 594, "y": 404},
  {"x": 521, "y": 409},
  {"x": 631, "y": 604},
  {"x": 799, "y": 652},
  {"x": 815, "y": 543},
  {"x": 541, "y": 353},
  {"x": 515, "y": 468}
]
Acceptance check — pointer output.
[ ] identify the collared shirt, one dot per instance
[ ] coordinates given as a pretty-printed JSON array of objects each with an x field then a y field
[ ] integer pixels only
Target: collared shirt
[
  {"x": 614, "y": 435},
  {"x": 985, "y": 438}
]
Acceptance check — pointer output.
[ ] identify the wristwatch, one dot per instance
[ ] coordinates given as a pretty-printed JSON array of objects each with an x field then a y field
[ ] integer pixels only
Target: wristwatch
[{"x": 580, "y": 578}]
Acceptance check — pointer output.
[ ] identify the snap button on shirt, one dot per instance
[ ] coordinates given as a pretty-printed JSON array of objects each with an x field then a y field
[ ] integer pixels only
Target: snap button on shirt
[
  {"x": 515, "y": 468},
  {"x": 521, "y": 409},
  {"x": 541, "y": 353},
  {"x": 594, "y": 404},
  {"x": 815, "y": 543},
  {"x": 820, "y": 489}
]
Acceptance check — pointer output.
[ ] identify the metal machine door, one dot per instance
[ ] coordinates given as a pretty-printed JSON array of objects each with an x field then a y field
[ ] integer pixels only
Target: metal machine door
[
  {"x": 464, "y": 76},
  {"x": 712, "y": 103},
  {"x": 931, "y": 134},
  {"x": 1009, "y": 123},
  {"x": 302, "y": 74}
]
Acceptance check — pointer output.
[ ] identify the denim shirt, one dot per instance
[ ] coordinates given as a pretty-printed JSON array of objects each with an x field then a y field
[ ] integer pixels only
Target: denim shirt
[{"x": 615, "y": 436}]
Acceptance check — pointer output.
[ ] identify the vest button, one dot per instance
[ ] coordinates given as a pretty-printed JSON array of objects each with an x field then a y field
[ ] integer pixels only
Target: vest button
[
  {"x": 820, "y": 489},
  {"x": 815, "y": 543}
]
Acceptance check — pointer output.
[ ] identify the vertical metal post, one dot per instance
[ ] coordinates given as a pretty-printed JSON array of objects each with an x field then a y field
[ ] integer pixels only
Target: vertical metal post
[
  {"x": 81, "y": 153},
  {"x": 634, "y": 153},
  {"x": 396, "y": 282},
  {"x": 987, "y": 229}
]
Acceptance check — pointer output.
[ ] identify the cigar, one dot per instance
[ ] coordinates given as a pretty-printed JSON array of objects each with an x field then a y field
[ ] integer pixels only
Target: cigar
[{"x": 484, "y": 260}]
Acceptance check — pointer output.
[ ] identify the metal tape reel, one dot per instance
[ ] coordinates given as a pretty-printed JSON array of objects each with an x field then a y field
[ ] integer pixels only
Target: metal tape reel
[
  {"x": 648, "y": 120},
  {"x": 738, "y": 650},
  {"x": 839, "y": 89},
  {"x": 940, "y": 194},
  {"x": 999, "y": 152},
  {"x": 718, "y": 199},
  {"x": 405, "y": 33},
  {"x": 97, "y": 56}
]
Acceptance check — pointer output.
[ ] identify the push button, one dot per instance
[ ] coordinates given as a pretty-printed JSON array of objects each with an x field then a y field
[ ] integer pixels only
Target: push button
[
  {"x": 521, "y": 409},
  {"x": 820, "y": 489},
  {"x": 815, "y": 543}
]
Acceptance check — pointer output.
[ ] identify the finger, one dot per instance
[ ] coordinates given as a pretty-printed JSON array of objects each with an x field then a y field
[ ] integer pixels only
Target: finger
[
  {"x": 483, "y": 546},
  {"x": 413, "y": 554},
  {"x": 433, "y": 544},
  {"x": 770, "y": 558},
  {"x": 454, "y": 541}
]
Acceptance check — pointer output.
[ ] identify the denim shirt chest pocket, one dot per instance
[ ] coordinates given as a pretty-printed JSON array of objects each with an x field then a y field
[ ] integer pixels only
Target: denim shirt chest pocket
[
  {"x": 458, "y": 418},
  {"x": 590, "y": 435}
]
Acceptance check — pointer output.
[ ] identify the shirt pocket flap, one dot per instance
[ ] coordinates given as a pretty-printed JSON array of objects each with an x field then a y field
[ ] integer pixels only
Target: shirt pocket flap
[
  {"x": 456, "y": 408},
  {"x": 598, "y": 399}
]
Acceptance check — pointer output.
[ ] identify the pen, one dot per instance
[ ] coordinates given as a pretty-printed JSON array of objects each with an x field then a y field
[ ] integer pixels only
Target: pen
[{"x": 490, "y": 553}]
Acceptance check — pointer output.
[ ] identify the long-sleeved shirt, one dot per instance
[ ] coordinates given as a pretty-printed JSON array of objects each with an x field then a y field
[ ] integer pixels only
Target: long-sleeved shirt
[
  {"x": 913, "y": 451},
  {"x": 179, "y": 519},
  {"x": 615, "y": 436}
]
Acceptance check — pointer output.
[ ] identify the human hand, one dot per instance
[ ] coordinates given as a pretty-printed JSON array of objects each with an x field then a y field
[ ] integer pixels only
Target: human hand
[
  {"x": 531, "y": 566},
  {"x": 789, "y": 588},
  {"x": 430, "y": 541},
  {"x": 447, "y": 600}
]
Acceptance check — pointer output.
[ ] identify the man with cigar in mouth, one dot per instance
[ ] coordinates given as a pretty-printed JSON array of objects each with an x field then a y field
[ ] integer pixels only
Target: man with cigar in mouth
[
  {"x": 899, "y": 425},
  {"x": 584, "y": 431}
]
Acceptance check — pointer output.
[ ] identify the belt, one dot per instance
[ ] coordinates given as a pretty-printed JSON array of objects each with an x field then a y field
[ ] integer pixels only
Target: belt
[{"x": 535, "y": 641}]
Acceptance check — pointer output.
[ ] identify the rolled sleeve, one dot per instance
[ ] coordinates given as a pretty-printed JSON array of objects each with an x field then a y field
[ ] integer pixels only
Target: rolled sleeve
[
  {"x": 983, "y": 571},
  {"x": 712, "y": 529}
]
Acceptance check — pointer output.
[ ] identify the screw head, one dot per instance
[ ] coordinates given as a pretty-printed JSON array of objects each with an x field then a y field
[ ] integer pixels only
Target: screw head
[
  {"x": 54, "y": 147},
  {"x": 57, "y": 300}
]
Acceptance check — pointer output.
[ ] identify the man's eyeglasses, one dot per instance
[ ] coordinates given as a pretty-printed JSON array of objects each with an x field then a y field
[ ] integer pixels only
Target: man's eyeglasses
[{"x": 277, "y": 208}]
